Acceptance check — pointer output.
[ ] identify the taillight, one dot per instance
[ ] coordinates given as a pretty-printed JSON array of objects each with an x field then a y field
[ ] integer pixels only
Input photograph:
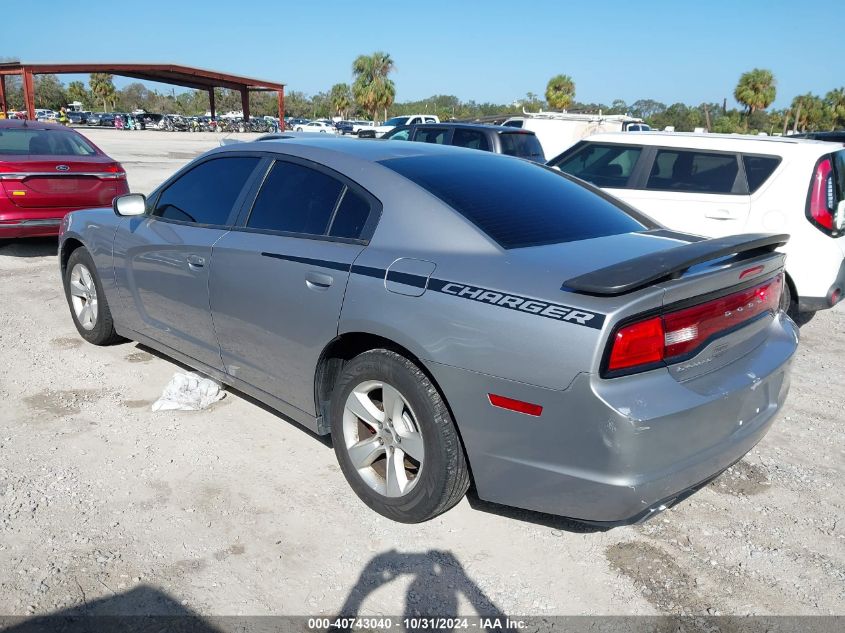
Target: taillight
[
  {"x": 676, "y": 335},
  {"x": 821, "y": 201},
  {"x": 116, "y": 169}
]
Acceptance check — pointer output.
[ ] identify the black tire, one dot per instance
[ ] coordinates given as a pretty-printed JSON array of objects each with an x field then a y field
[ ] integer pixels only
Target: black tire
[
  {"x": 789, "y": 304},
  {"x": 444, "y": 476},
  {"x": 102, "y": 332}
]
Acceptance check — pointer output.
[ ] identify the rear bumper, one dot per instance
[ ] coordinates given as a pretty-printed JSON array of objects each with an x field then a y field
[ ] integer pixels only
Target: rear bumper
[
  {"x": 618, "y": 451},
  {"x": 832, "y": 296},
  {"x": 31, "y": 222}
]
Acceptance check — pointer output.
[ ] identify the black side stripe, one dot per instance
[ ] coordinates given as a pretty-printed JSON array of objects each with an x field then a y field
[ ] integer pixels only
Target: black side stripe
[
  {"x": 311, "y": 262},
  {"x": 519, "y": 303}
]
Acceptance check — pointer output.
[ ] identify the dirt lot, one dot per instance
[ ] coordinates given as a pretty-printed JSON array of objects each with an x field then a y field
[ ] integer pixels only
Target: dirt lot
[{"x": 238, "y": 511}]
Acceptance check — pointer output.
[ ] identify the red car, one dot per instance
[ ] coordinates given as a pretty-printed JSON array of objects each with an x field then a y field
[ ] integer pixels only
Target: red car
[{"x": 47, "y": 171}]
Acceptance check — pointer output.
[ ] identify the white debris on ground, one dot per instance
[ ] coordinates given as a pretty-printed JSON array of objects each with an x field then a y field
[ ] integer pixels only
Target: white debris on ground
[{"x": 189, "y": 392}]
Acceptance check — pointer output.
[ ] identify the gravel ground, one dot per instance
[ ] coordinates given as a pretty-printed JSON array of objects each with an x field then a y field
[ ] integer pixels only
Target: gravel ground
[{"x": 235, "y": 510}]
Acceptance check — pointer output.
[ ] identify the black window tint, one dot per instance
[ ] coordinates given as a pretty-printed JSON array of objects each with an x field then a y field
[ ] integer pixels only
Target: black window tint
[
  {"x": 516, "y": 203},
  {"x": 472, "y": 139},
  {"x": 432, "y": 135},
  {"x": 351, "y": 216},
  {"x": 206, "y": 194},
  {"x": 295, "y": 199},
  {"x": 758, "y": 169},
  {"x": 601, "y": 165},
  {"x": 522, "y": 145},
  {"x": 679, "y": 170}
]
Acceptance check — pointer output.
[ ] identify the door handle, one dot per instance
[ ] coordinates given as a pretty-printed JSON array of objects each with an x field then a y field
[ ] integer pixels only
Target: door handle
[
  {"x": 720, "y": 214},
  {"x": 195, "y": 261},
  {"x": 318, "y": 281}
]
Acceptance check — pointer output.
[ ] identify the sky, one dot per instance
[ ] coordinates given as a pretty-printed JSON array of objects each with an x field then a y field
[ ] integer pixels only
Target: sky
[{"x": 491, "y": 51}]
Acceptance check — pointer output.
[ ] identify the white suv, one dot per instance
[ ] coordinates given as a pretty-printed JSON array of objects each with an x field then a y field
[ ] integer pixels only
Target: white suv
[
  {"x": 405, "y": 119},
  {"x": 715, "y": 185}
]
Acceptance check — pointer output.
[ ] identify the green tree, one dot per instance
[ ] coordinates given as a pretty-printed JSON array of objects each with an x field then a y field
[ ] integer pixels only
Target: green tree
[
  {"x": 341, "y": 99},
  {"x": 810, "y": 112},
  {"x": 49, "y": 92},
  {"x": 76, "y": 91},
  {"x": 102, "y": 88},
  {"x": 755, "y": 90},
  {"x": 373, "y": 89},
  {"x": 835, "y": 101},
  {"x": 560, "y": 92}
]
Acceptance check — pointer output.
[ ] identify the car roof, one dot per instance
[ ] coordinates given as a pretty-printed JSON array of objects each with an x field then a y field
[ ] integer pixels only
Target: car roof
[
  {"x": 725, "y": 142},
  {"x": 476, "y": 126},
  {"x": 365, "y": 149},
  {"x": 31, "y": 125}
]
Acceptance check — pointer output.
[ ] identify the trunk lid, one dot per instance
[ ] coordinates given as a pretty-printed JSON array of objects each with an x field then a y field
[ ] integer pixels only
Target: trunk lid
[{"x": 62, "y": 181}]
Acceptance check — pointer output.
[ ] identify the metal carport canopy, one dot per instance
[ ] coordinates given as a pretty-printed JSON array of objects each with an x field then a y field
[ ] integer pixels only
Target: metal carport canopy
[{"x": 174, "y": 74}]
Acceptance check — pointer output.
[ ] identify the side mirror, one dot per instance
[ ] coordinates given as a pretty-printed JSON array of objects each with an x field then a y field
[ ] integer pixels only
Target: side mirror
[{"x": 130, "y": 204}]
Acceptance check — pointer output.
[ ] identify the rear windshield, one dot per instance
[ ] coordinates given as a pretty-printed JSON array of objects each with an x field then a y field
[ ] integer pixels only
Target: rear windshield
[
  {"x": 517, "y": 203},
  {"x": 22, "y": 142},
  {"x": 522, "y": 145},
  {"x": 397, "y": 120}
]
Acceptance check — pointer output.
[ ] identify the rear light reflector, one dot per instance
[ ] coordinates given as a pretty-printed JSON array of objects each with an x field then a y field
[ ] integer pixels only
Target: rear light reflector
[
  {"x": 676, "y": 335},
  {"x": 514, "y": 405}
]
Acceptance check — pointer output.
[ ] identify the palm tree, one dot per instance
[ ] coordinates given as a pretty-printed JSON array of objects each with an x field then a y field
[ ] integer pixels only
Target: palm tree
[
  {"x": 372, "y": 88},
  {"x": 835, "y": 100},
  {"x": 341, "y": 99},
  {"x": 560, "y": 92},
  {"x": 755, "y": 90},
  {"x": 102, "y": 87}
]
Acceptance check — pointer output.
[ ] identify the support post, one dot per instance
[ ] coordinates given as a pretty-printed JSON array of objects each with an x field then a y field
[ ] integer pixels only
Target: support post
[
  {"x": 281, "y": 95},
  {"x": 211, "y": 104},
  {"x": 29, "y": 94},
  {"x": 3, "y": 107},
  {"x": 245, "y": 103}
]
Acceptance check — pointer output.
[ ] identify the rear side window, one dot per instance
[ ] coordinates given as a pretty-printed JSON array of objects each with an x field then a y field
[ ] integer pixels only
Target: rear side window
[
  {"x": 522, "y": 146},
  {"x": 472, "y": 139},
  {"x": 601, "y": 165},
  {"x": 432, "y": 135},
  {"x": 351, "y": 216},
  {"x": 516, "y": 203},
  {"x": 22, "y": 142},
  {"x": 207, "y": 193},
  {"x": 702, "y": 172},
  {"x": 758, "y": 169},
  {"x": 295, "y": 199}
]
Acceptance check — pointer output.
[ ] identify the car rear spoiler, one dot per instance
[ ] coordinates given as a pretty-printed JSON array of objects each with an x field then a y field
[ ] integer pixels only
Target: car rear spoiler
[{"x": 636, "y": 273}]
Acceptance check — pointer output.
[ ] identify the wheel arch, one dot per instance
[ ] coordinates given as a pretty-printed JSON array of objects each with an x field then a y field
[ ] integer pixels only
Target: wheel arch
[
  {"x": 69, "y": 245},
  {"x": 347, "y": 346}
]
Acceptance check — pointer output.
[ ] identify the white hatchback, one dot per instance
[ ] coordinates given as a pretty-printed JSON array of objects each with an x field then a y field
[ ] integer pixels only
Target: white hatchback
[{"x": 715, "y": 185}]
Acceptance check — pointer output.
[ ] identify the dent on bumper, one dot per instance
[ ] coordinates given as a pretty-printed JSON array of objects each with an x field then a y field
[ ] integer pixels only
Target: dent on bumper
[{"x": 612, "y": 451}]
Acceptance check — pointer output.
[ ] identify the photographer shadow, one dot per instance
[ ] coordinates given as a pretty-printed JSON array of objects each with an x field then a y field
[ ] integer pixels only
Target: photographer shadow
[{"x": 438, "y": 580}]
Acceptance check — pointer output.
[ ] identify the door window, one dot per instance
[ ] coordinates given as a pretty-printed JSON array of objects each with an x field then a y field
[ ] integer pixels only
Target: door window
[
  {"x": 295, "y": 199},
  {"x": 472, "y": 139},
  {"x": 432, "y": 135},
  {"x": 601, "y": 165},
  {"x": 680, "y": 170},
  {"x": 207, "y": 193}
]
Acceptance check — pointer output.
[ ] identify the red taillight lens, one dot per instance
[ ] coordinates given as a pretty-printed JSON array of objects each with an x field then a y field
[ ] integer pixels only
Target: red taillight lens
[
  {"x": 637, "y": 344},
  {"x": 678, "y": 334},
  {"x": 821, "y": 204}
]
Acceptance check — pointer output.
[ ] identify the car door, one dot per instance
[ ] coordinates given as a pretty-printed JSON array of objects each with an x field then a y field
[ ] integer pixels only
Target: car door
[
  {"x": 698, "y": 191},
  {"x": 162, "y": 258},
  {"x": 278, "y": 279}
]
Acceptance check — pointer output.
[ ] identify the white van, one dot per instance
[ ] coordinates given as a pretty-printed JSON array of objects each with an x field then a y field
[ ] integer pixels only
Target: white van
[{"x": 558, "y": 131}]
